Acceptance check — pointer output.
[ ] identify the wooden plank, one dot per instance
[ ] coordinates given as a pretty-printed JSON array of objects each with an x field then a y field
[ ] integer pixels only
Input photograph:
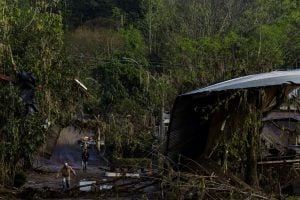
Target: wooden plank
[{"x": 278, "y": 161}]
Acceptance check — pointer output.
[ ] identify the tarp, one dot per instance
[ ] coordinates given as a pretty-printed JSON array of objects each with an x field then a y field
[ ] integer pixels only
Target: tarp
[
  {"x": 188, "y": 132},
  {"x": 27, "y": 83}
]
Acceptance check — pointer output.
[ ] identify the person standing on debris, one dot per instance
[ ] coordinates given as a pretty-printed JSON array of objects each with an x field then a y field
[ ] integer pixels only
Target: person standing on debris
[
  {"x": 65, "y": 172},
  {"x": 85, "y": 158}
]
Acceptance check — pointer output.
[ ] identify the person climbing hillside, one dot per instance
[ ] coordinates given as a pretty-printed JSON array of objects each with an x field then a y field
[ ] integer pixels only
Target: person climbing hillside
[
  {"x": 65, "y": 172},
  {"x": 85, "y": 158}
]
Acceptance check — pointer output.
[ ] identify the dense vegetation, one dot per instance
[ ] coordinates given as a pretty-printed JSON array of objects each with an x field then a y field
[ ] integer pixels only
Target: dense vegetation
[{"x": 134, "y": 56}]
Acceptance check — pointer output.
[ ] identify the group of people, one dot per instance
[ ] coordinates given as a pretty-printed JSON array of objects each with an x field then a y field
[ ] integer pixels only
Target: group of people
[{"x": 66, "y": 170}]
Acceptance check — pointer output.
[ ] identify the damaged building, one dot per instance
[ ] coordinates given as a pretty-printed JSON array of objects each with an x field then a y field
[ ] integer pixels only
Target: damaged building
[
  {"x": 237, "y": 124},
  {"x": 280, "y": 134}
]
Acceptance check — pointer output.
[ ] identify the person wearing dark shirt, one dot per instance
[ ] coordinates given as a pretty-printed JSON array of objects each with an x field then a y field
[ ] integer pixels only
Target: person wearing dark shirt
[{"x": 85, "y": 158}]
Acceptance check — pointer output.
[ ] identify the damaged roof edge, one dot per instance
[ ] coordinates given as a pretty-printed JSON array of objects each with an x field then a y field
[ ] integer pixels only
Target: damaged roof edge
[{"x": 253, "y": 81}]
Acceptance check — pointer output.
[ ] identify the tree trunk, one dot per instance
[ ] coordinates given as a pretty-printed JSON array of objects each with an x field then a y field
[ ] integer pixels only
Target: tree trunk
[{"x": 251, "y": 167}]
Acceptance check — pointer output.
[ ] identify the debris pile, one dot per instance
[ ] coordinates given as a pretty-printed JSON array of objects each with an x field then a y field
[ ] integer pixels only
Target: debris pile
[
  {"x": 207, "y": 181},
  {"x": 190, "y": 181}
]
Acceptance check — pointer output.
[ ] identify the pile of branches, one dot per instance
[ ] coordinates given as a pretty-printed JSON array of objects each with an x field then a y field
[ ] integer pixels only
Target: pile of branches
[
  {"x": 206, "y": 181},
  {"x": 190, "y": 186}
]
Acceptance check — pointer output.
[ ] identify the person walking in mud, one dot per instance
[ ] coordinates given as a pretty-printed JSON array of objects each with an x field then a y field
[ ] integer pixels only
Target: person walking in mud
[
  {"x": 65, "y": 172},
  {"x": 85, "y": 158}
]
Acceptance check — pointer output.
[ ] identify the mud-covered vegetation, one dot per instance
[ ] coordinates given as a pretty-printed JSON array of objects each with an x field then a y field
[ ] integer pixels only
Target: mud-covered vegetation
[{"x": 134, "y": 57}]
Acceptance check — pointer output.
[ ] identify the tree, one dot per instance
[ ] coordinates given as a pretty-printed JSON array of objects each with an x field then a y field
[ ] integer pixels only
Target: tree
[{"x": 32, "y": 38}]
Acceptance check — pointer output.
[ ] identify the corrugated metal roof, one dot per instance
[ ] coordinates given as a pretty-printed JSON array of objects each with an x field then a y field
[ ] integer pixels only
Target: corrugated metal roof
[{"x": 252, "y": 81}]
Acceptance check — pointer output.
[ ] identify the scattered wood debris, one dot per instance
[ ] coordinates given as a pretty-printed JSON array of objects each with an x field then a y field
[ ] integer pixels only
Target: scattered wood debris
[{"x": 205, "y": 181}]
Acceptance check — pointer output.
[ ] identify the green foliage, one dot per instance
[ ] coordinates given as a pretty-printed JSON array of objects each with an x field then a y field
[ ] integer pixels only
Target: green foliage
[
  {"x": 161, "y": 88},
  {"x": 196, "y": 33},
  {"x": 33, "y": 39},
  {"x": 239, "y": 143},
  {"x": 126, "y": 137},
  {"x": 122, "y": 88},
  {"x": 117, "y": 81},
  {"x": 134, "y": 45}
]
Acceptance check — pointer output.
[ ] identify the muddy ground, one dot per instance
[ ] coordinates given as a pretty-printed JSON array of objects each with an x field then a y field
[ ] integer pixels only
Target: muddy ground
[
  {"x": 43, "y": 177},
  {"x": 42, "y": 182}
]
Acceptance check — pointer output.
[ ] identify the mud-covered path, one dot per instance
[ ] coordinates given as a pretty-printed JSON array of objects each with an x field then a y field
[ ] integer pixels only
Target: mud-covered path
[
  {"x": 43, "y": 183},
  {"x": 66, "y": 150}
]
